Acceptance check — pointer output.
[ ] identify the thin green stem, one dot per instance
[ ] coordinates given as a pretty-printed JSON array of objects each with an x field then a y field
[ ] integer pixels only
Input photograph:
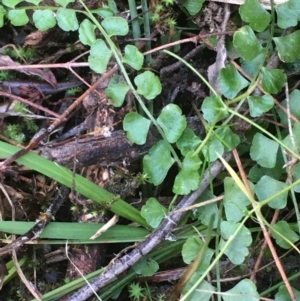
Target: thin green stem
[
  {"x": 133, "y": 90},
  {"x": 136, "y": 30}
]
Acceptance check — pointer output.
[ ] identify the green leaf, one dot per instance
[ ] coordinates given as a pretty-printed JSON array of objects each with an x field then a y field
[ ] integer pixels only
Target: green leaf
[
  {"x": 87, "y": 32},
  {"x": 44, "y": 19},
  {"x": 203, "y": 291},
  {"x": 146, "y": 267},
  {"x": 235, "y": 201},
  {"x": 288, "y": 47},
  {"x": 35, "y": 2},
  {"x": 99, "y": 56},
  {"x": 228, "y": 137},
  {"x": 157, "y": 163},
  {"x": 148, "y": 84},
  {"x": 267, "y": 187},
  {"x": 296, "y": 137},
  {"x": 244, "y": 290},
  {"x": 133, "y": 57},
  {"x": 103, "y": 12},
  {"x": 172, "y": 122},
  {"x": 286, "y": 232},
  {"x": 137, "y": 127},
  {"x": 153, "y": 212},
  {"x": 288, "y": 13},
  {"x": 254, "y": 13},
  {"x": 80, "y": 232},
  {"x": 18, "y": 17},
  {"x": 66, "y": 19},
  {"x": 294, "y": 107},
  {"x": 264, "y": 150},
  {"x": 273, "y": 80},
  {"x": 253, "y": 66},
  {"x": 188, "y": 141},
  {"x": 212, "y": 149},
  {"x": 205, "y": 213},
  {"x": 64, "y": 3},
  {"x": 116, "y": 90},
  {"x": 190, "y": 250},
  {"x": 237, "y": 250},
  {"x": 296, "y": 176},
  {"x": 2, "y": 14},
  {"x": 193, "y": 6},
  {"x": 115, "y": 26},
  {"x": 188, "y": 178},
  {"x": 246, "y": 43},
  {"x": 11, "y": 3},
  {"x": 284, "y": 295},
  {"x": 260, "y": 104},
  {"x": 214, "y": 109},
  {"x": 67, "y": 178},
  {"x": 231, "y": 82}
]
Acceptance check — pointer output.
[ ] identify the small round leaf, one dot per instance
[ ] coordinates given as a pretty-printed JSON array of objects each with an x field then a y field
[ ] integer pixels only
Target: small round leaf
[
  {"x": 148, "y": 84},
  {"x": 253, "y": 12},
  {"x": 18, "y": 17},
  {"x": 172, "y": 122},
  {"x": 115, "y": 26},
  {"x": 157, "y": 163},
  {"x": 87, "y": 32},
  {"x": 116, "y": 90},
  {"x": 137, "y": 127},
  {"x": 246, "y": 43},
  {"x": 99, "y": 56},
  {"x": 44, "y": 19},
  {"x": 66, "y": 19},
  {"x": 133, "y": 57}
]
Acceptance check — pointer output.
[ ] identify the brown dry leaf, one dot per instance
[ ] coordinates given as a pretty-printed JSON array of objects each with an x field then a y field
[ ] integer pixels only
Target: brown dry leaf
[{"x": 46, "y": 75}]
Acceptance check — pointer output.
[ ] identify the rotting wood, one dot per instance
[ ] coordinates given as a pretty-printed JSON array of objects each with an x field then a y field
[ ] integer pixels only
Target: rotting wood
[{"x": 105, "y": 150}]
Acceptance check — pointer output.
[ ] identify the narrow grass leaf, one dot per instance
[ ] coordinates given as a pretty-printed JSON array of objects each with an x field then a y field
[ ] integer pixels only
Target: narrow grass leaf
[
  {"x": 79, "y": 232},
  {"x": 204, "y": 290},
  {"x": 82, "y": 185}
]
